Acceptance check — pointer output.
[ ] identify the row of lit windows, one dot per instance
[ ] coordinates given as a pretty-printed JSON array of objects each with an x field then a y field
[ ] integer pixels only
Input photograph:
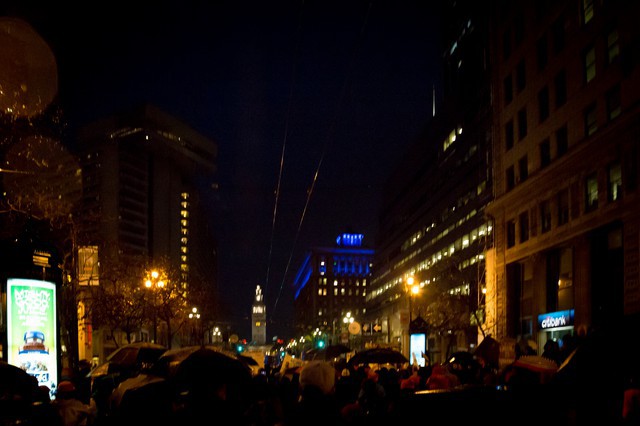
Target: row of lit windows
[
  {"x": 358, "y": 266},
  {"x": 460, "y": 202},
  {"x": 323, "y": 282},
  {"x": 184, "y": 232},
  {"x": 483, "y": 230},
  {"x": 343, "y": 292},
  {"x": 561, "y": 201},
  {"x": 451, "y": 138}
]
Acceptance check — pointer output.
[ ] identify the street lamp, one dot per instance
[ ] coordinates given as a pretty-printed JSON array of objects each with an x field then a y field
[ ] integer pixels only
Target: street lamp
[
  {"x": 194, "y": 315},
  {"x": 154, "y": 282},
  {"x": 413, "y": 289}
]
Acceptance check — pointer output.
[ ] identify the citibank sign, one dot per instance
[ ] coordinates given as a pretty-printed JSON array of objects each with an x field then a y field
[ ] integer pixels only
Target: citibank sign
[{"x": 555, "y": 319}]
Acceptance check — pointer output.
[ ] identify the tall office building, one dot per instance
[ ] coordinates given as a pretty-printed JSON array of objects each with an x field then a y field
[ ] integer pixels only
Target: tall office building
[
  {"x": 433, "y": 231},
  {"x": 331, "y": 285},
  {"x": 145, "y": 177},
  {"x": 566, "y": 100}
]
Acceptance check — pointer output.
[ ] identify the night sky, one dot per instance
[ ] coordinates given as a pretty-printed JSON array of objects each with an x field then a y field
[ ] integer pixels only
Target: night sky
[{"x": 343, "y": 86}]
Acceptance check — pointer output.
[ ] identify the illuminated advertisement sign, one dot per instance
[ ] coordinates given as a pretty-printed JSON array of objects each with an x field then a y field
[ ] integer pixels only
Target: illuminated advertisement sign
[
  {"x": 555, "y": 319},
  {"x": 31, "y": 328},
  {"x": 417, "y": 347}
]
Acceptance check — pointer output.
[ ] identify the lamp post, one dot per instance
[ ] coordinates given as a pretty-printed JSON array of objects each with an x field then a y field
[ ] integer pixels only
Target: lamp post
[
  {"x": 154, "y": 283},
  {"x": 348, "y": 319},
  {"x": 194, "y": 315},
  {"x": 412, "y": 290}
]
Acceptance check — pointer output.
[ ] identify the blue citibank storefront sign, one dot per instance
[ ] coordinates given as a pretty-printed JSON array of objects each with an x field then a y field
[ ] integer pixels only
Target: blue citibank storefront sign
[{"x": 559, "y": 319}]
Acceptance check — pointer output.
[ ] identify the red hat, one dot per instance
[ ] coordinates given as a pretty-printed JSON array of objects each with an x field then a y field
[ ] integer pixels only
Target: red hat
[{"x": 65, "y": 387}]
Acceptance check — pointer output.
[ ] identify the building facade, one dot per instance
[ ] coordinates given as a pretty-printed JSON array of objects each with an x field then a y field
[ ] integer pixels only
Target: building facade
[
  {"x": 566, "y": 91},
  {"x": 144, "y": 177},
  {"x": 433, "y": 231},
  {"x": 331, "y": 285}
]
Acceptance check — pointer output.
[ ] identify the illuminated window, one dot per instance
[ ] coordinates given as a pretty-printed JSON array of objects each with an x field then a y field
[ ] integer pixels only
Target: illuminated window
[
  {"x": 587, "y": 11},
  {"x": 614, "y": 177},
  {"x": 258, "y": 324},
  {"x": 591, "y": 192},
  {"x": 590, "y": 121},
  {"x": 342, "y": 291},
  {"x": 184, "y": 213},
  {"x": 335, "y": 291},
  {"x": 613, "y": 45},
  {"x": 589, "y": 63}
]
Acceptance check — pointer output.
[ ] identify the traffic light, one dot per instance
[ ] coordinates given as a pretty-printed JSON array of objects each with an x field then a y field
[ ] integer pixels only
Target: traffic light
[
  {"x": 320, "y": 344},
  {"x": 240, "y": 348}
]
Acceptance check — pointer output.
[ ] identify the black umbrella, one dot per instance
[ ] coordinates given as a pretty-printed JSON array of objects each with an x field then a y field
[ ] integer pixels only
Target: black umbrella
[
  {"x": 327, "y": 353},
  {"x": 378, "y": 356}
]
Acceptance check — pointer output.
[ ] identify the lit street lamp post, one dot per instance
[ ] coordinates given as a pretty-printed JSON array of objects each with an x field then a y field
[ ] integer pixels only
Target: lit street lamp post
[
  {"x": 154, "y": 283},
  {"x": 194, "y": 315}
]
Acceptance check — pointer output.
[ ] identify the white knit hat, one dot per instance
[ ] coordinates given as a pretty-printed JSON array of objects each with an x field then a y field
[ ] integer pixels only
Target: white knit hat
[{"x": 320, "y": 374}]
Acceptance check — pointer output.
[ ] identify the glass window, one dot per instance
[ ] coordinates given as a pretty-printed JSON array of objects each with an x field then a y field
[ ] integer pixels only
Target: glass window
[
  {"x": 508, "y": 89},
  {"x": 590, "y": 122},
  {"x": 591, "y": 192},
  {"x": 522, "y": 123},
  {"x": 613, "y": 102},
  {"x": 560, "y": 82},
  {"x": 545, "y": 216},
  {"x": 521, "y": 78},
  {"x": 543, "y": 104},
  {"x": 508, "y": 135},
  {"x": 511, "y": 233},
  {"x": 565, "y": 280},
  {"x": 562, "y": 141},
  {"x": 558, "y": 34},
  {"x": 614, "y": 181},
  {"x": 523, "y": 168},
  {"x": 563, "y": 207},
  {"x": 541, "y": 49},
  {"x": 524, "y": 226},
  {"x": 613, "y": 46},
  {"x": 589, "y": 62},
  {"x": 506, "y": 44},
  {"x": 545, "y": 153},
  {"x": 587, "y": 11},
  {"x": 510, "y": 177}
]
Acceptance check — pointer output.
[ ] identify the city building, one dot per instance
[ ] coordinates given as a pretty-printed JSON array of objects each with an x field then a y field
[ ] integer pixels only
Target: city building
[
  {"x": 330, "y": 289},
  {"x": 433, "y": 231},
  {"x": 566, "y": 91},
  {"x": 144, "y": 177}
]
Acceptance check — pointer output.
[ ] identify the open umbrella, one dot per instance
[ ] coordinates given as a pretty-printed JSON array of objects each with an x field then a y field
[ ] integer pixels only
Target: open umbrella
[
  {"x": 327, "y": 353},
  {"x": 378, "y": 356}
]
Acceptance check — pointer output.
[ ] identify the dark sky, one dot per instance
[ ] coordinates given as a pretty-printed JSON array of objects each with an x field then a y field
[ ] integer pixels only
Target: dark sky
[{"x": 344, "y": 86}]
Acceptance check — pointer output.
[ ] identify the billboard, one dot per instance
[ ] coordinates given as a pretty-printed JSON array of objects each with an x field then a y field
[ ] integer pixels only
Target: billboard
[
  {"x": 417, "y": 349},
  {"x": 31, "y": 328}
]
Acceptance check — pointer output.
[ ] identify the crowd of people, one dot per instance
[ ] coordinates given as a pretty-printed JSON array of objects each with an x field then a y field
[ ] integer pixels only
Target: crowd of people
[{"x": 331, "y": 393}]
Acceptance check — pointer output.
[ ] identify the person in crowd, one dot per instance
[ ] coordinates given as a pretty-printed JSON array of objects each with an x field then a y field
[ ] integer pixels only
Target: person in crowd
[
  {"x": 631, "y": 400},
  {"x": 551, "y": 351},
  {"x": 317, "y": 404},
  {"x": 441, "y": 378},
  {"x": 72, "y": 410},
  {"x": 346, "y": 388}
]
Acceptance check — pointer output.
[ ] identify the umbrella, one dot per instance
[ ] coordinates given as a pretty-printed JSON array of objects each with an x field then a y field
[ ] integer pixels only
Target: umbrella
[
  {"x": 327, "y": 353},
  {"x": 540, "y": 367},
  {"x": 15, "y": 383},
  {"x": 378, "y": 356},
  {"x": 489, "y": 350}
]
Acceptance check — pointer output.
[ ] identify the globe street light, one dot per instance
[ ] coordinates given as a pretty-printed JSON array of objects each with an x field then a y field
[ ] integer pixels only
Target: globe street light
[
  {"x": 194, "y": 315},
  {"x": 154, "y": 283}
]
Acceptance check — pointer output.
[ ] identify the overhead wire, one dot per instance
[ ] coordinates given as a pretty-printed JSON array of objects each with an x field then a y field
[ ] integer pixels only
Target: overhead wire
[
  {"x": 284, "y": 145},
  {"x": 324, "y": 150}
]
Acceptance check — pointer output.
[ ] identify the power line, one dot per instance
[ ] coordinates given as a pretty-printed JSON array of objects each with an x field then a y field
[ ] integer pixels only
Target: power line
[{"x": 325, "y": 149}]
